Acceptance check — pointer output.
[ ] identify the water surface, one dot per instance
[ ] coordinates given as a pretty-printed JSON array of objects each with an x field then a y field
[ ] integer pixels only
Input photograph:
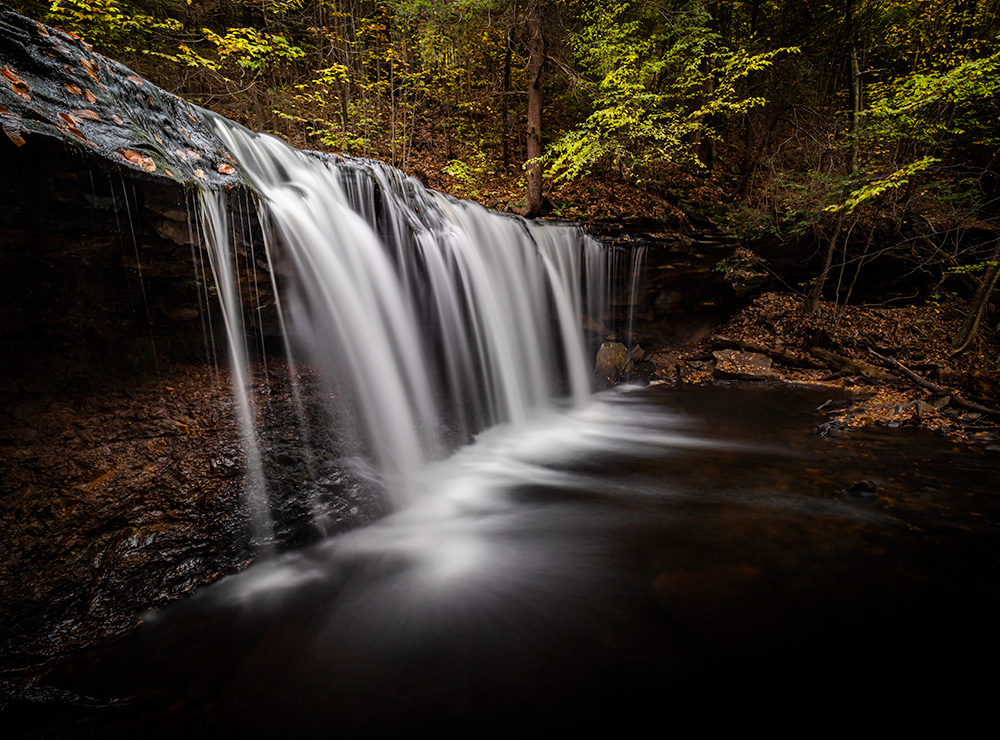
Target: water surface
[{"x": 658, "y": 552}]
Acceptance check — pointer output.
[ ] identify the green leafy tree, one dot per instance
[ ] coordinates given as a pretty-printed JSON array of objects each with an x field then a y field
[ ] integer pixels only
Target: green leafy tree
[{"x": 655, "y": 87}]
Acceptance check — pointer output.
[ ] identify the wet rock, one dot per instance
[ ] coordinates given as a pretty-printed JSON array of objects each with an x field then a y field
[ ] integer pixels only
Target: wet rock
[
  {"x": 733, "y": 365},
  {"x": 939, "y": 402},
  {"x": 829, "y": 428},
  {"x": 612, "y": 362},
  {"x": 867, "y": 489}
]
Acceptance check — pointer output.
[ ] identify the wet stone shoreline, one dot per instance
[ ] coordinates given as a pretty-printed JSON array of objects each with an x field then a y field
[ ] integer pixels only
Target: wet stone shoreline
[{"x": 113, "y": 503}]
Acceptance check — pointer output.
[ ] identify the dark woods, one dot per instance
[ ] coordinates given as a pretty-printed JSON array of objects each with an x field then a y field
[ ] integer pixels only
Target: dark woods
[{"x": 851, "y": 145}]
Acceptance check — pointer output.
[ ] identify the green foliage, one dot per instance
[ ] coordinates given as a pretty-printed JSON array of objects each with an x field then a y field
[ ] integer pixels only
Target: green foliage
[
  {"x": 110, "y": 23},
  {"x": 471, "y": 171},
  {"x": 874, "y": 188},
  {"x": 655, "y": 86},
  {"x": 932, "y": 108},
  {"x": 253, "y": 50}
]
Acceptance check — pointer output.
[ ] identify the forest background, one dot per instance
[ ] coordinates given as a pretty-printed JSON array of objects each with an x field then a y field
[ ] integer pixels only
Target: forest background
[{"x": 852, "y": 130}]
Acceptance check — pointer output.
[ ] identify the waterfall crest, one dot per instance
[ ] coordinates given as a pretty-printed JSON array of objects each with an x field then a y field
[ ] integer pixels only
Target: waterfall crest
[{"x": 437, "y": 317}]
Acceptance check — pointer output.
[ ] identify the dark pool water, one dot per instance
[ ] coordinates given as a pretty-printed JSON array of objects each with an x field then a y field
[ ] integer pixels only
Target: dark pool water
[{"x": 664, "y": 556}]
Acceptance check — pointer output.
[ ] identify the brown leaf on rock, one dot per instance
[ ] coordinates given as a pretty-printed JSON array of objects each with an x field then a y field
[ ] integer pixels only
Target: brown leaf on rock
[
  {"x": 69, "y": 119},
  {"x": 89, "y": 97},
  {"x": 87, "y": 115},
  {"x": 17, "y": 84},
  {"x": 134, "y": 158},
  {"x": 42, "y": 30},
  {"x": 135, "y": 79},
  {"x": 89, "y": 66},
  {"x": 21, "y": 88},
  {"x": 74, "y": 89},
  {"x": 193, "y": 154},
  {"x": 7, "y": 112},
  {"x": 14, "y": 135},
  {"x": 78, "y": 133},
  {"x": 225, "y": 169},
  {"x": 118, "y": 119},
  {"x": 200, "y": 173},
  {"x": 11, "y": 75},
  {"x": 129, "y": 156},
  {"x": 180, "y": 153}
]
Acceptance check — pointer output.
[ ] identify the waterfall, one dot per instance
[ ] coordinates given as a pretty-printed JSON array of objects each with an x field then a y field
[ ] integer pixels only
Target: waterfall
[{"x": 435, "y": 316}]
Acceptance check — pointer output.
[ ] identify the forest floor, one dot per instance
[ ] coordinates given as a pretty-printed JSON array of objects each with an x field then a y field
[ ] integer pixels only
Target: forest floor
[{"x": 860, "y": 349}]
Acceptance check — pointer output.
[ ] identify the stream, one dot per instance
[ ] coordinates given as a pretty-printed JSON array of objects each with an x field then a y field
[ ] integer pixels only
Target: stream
[{"x": 655, "y": 552}]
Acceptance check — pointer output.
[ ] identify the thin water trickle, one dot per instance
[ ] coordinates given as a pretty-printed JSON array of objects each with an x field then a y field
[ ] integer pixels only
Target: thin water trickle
[{"x": 215, "y": 220}]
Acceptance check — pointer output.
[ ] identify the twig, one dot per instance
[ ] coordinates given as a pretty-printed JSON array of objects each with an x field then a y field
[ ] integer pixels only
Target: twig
[{"x": 956, "y": 397}]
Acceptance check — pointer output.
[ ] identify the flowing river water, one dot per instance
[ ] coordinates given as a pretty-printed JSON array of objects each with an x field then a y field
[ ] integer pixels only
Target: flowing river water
[{"x": 656, "y": 553}]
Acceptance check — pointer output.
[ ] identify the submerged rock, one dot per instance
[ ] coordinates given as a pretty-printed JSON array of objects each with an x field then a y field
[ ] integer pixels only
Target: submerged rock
[{"x": 862, "y": 489}]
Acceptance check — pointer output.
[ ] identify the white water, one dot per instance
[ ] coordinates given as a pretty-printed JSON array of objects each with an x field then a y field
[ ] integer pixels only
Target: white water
[{"x": 436, "y": 317}]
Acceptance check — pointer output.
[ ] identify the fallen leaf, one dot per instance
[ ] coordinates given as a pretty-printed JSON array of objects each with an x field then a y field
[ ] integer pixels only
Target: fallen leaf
[
  {"x": 6, "y": 112},
  {"x": 17, "y": 84},
  {"x": 180, "y": 153},
  {"x": 89, "y": 66},
  {"x": 133, "y": 78},
  {"x": 158, "y": 139},
  {"x": 69, "y": 119},
  {"x": 90, "y": 97},
  {"x": 77, "y": 133},
  {"x": 200, "y": 174},
  {"x": 11, "y": 75},
  {"x": 21, "y": 88},
  {"x": 42, "y": 30},
  {"x": 13, "y": 135},
  {"x": 75, "y": 89},
  {"x": 87, "y": 115},
  {"x": 193, "y": 154},
  {"x": 118, "y": 119},
  {"x": 129, "y": 156},
  {"x": 144, "y": 163},
  {"x": 225, "y": 169},
  {"x": 169, "y": 172}
]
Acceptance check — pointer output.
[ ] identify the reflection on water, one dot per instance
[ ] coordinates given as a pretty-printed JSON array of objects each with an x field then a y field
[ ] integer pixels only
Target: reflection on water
[{"x": 658, "y": 552}]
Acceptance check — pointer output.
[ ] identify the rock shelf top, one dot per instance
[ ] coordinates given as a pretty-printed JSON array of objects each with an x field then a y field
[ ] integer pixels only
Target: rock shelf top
[{"x": 53, "y": 84}]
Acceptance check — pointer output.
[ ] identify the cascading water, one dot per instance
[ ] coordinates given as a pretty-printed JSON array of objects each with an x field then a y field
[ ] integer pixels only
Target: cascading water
[{"x": 438, "y": 317}]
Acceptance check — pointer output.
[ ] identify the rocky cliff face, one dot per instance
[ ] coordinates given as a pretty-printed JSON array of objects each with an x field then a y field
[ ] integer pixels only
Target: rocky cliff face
[{"x": 122, "y": 467}]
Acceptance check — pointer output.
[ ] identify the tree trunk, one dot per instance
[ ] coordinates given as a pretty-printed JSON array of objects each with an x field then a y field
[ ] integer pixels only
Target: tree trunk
[
  {"x": 855, "y": 89},
  {"x": 979, "y": 303},
  {"x": 504, "y": 104},
  {"x": 536, "y": 67},
  {"x": 812, "y": 300}
]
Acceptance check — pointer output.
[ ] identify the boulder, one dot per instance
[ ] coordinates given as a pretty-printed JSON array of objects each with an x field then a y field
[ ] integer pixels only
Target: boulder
[{"x": 733, "y": 365}]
